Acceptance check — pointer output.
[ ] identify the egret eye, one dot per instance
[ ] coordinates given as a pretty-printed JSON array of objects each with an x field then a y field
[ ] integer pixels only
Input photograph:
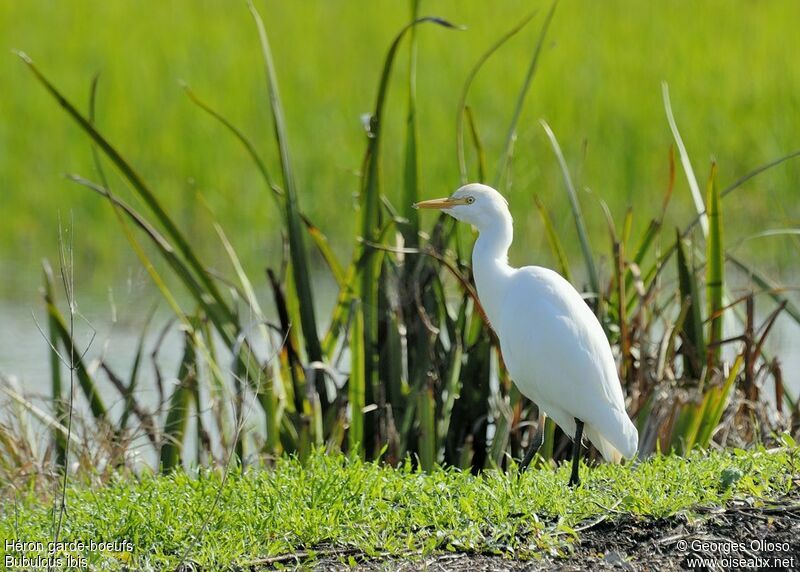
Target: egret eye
[{"x": 470, "y": 200}]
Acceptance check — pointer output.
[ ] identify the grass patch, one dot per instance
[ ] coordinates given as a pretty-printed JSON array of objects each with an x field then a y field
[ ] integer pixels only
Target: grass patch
[{"x": 368, "y": 509}]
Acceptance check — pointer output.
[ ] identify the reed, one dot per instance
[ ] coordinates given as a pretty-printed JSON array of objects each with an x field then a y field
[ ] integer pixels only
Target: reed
[{"x": 406, "y": 364}]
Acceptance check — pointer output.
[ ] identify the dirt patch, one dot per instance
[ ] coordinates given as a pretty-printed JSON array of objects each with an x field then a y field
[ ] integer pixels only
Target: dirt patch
[{"x": 740, "y": 536}]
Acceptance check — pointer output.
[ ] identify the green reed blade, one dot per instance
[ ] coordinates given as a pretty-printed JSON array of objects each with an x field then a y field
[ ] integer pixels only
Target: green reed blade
[
  {"x": 577, "y": 212},
  {"x": 226, "y": 326},
  {"x": 410, "y": 193},
  {"x": 717, "y": 397},
  {"x": 340, "y": 314},
  {"x": 715, "y": 267},
  {"x": 627, "y": 225},
  {"x": 625, "y": 342},
  {"x": 277, "y": 193},
  {"x": 757, "y": 171},
  {"x": 477, "y": 143},
  {"x": 368, "y": 269},
  {"x": 59, "y": 411},
  {"x": 693, "y": 325},
  {"x": 161, "y": 243},
  {"x": 644, "y": 247},
  {"x": 320, "y": 240},
  {"x": 523, "y": 92},
  {"x": 695, "y": 413},
  {"x": 297, "y": 251},
  {"x": 502, "y": 432},
  {"x": 179, "y": 407},
  {"x": 133, "y": 377},
  {"x": 426, "y": 414},
  {"x": 247, "y": 286},
  {"x": 356, "y": 386},
  {"x": 138, "y": 184},
  {"x": 290, "y": 344},
  {"x": 463, "y": 109},
  {"x": 553, "y": 240},
  {"x": 685, "y": 161},
  {"x": 738, "y": 183},
  {"x": 324, "y": 247},
  {"x": 548, "y": 443}
]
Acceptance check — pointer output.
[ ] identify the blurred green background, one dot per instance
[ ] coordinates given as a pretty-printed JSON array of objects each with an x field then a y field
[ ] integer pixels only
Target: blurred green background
[{"x": 732, "y": 68}]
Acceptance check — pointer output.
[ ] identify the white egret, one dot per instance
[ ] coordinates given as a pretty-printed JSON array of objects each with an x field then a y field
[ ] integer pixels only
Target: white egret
[{"x": 552, "y": 343}]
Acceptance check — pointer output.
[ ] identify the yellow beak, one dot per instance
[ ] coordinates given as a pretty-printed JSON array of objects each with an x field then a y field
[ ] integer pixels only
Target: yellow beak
[{"x": 439, "y": 203}]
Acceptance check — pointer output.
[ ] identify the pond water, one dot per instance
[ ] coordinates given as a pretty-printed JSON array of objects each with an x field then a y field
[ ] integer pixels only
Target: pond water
[
  {"x": 114, "y": 331},
  {"x": 110, "y": 329}
]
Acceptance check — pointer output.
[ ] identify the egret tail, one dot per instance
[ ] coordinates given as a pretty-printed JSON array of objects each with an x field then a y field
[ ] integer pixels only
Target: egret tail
[{"x": 617, "y": 440}]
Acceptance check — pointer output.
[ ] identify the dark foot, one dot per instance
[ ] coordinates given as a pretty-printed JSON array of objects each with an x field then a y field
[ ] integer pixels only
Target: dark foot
[
  {"x": 574, "y": 478},
  {"x": 537, "y": 443},
  {"x": 527, "y": 460}
]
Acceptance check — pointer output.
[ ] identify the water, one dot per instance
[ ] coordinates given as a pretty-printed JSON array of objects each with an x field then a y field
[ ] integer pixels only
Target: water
[
  {"x": 24, "y": 351},
  {"x": 112, "y": 330}
]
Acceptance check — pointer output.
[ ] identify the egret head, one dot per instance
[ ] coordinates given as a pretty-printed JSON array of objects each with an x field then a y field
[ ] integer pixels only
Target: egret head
[{"x": 479, "y": 205}]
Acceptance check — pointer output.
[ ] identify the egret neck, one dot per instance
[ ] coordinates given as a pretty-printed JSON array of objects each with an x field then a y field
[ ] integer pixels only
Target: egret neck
[{"x": 490, "y": 262}]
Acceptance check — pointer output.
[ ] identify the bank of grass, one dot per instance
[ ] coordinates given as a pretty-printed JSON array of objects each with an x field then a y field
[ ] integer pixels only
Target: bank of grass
[{"x": 339, "y": 505}]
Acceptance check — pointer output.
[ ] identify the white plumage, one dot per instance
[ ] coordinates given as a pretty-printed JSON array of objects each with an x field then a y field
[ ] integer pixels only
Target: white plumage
[{"x": 553, "y": 345}]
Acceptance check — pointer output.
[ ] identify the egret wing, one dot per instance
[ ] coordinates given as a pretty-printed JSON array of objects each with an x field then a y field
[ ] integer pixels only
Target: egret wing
[{"x": 557, "y": 353}]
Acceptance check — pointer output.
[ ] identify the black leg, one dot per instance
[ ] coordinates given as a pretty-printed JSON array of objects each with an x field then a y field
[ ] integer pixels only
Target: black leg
[
  {"x": 538, "y": 441},
  {"x": 576, "y": 453}
]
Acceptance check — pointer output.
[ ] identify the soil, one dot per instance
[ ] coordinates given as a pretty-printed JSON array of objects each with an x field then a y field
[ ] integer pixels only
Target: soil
[{"x": 740, "y": 536}]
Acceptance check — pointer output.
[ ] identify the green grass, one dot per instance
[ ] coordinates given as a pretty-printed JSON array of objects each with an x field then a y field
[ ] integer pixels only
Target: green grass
[
  {"x": 730, "y": 68},
  {"x": 335, "y": 502}
]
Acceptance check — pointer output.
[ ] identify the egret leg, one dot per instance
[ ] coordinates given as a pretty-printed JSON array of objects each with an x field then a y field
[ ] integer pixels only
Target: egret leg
[
  {"x": 574, "y": 479},
  {"x": 537, "y": 443}
]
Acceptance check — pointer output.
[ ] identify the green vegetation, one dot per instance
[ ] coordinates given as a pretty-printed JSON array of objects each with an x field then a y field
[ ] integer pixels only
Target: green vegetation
[
  {"x": 425, "y": 375},
  {"x": 732, "y": 71},
  {"x": 403, "y": 368},
  {"x": 331, "y": 503}
]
